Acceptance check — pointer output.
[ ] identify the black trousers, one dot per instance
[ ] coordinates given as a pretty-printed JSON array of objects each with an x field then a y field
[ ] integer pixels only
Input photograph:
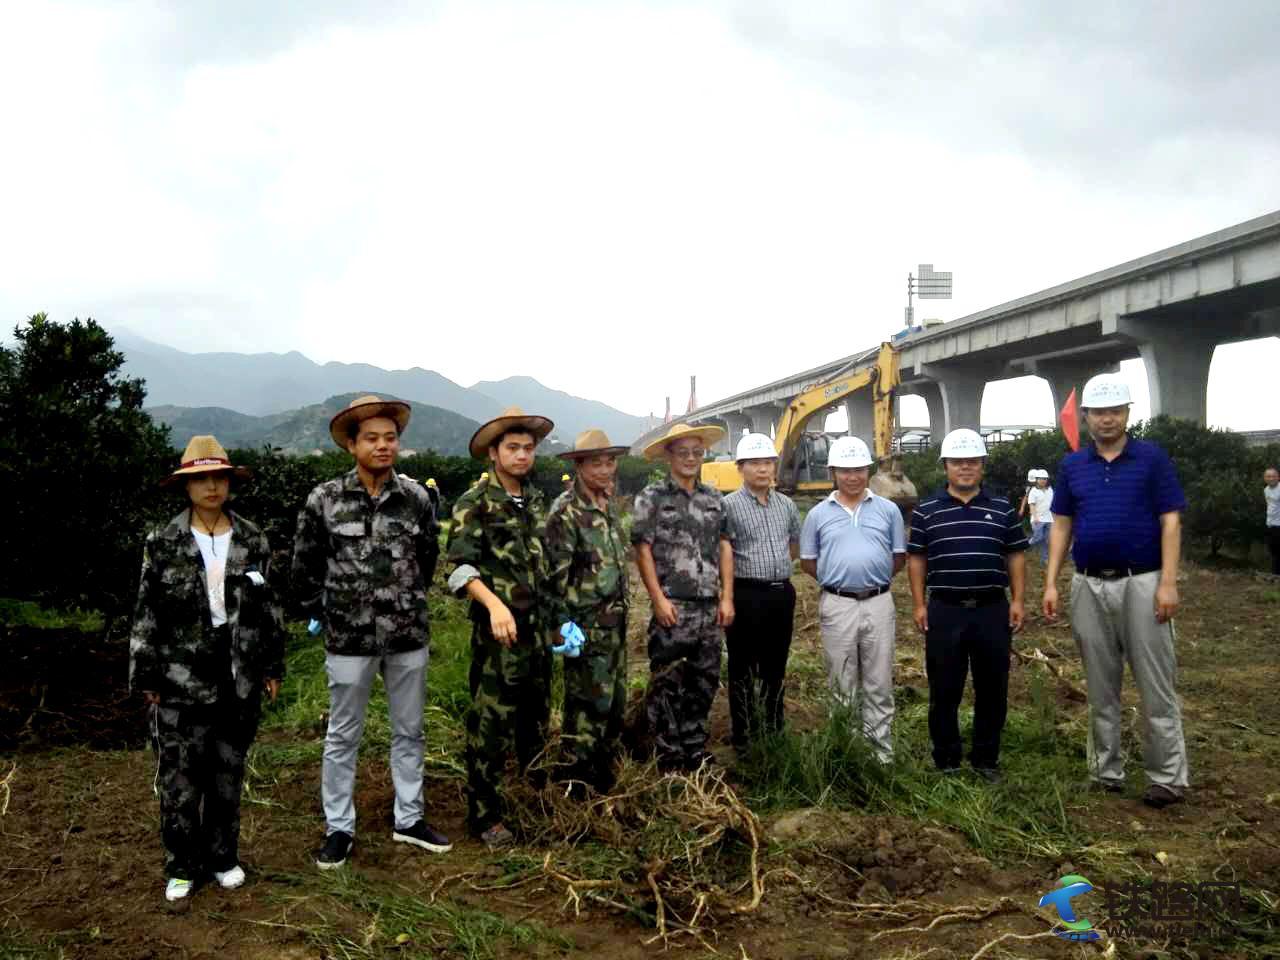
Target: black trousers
[
  {"x": 1273, "y": 544},
  {"x": 759, "y": 643},
  {"x": 960, "y": 639}
]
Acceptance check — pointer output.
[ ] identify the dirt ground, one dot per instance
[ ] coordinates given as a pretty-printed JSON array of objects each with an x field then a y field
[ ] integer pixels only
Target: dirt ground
[{"x": 80, "y": 853}]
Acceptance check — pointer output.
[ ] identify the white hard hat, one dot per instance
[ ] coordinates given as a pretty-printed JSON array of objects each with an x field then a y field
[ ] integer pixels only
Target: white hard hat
[
  {"x": 756, "y": 446},
  {"x": 962, "y": 444},
  {"x": 1105, "y": 390},
  {"x": 1042, "y": 474},
  {"x": 1032, "y": 474},
  {"x": 848, "y": 452}
]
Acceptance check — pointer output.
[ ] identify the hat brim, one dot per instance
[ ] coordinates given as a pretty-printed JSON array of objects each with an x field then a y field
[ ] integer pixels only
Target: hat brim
[
  {"x": 539, "y": 427},
  {"x": 240, "y": 473},
  {"x": 396, "y": 410},
  {"x": 598, "y": 451},
  {"x": 708, "y": 435}
]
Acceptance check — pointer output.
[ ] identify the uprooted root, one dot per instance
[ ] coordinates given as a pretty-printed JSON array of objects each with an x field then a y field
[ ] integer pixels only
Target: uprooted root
[{"x": 689, "y": 846}]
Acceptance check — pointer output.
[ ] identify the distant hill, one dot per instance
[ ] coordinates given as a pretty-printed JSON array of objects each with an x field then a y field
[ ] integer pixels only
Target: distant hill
[
  {"x": 571, "y": 414},
  {"x": 268, "y": 384},
  {"x": 303, "y": 430}
]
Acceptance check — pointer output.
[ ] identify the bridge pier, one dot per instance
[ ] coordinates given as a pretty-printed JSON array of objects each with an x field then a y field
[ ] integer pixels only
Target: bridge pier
[
  {"x": 761, "y": 420},
  {"x": 860, "y": 409},
  {"x": 1177, "y": 361},
  {"x": 1065, "y": 374},
  {"x": 960, "y": 386}
]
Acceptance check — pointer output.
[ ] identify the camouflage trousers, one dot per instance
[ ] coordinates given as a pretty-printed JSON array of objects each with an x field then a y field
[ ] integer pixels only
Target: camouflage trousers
[
  {"x": 595, "y": 697},
  {"x": 201, "y": 751},
  {"x": 684, "y": 673},
  {"x": 510, "y": 708}
]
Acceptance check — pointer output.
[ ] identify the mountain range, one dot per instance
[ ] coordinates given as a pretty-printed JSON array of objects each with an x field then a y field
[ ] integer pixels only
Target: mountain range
[{"x": 258, "y": 394}]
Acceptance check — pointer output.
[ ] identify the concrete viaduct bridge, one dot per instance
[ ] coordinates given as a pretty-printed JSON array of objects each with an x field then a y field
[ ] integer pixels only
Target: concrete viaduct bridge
[{"x": 1171, "y": 308}]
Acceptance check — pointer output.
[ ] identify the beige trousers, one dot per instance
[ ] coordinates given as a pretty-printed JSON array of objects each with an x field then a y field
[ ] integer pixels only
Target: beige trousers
[
  {"x": 857, "y": 645},
  {"x": 1114, "y": 621}
]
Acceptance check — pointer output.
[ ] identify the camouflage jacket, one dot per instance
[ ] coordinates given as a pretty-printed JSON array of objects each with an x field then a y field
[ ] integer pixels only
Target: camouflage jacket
[
  {"x": 501, "y": 543},
  {"x": 171, "y": 650},
  {"x": 362, "y": 565},
  {"x": 587, "y": 561},
  {"x": 684, "y": 530}
]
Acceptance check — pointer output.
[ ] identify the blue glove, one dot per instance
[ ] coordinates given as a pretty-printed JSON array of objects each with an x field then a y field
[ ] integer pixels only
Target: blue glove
[
  {"x": 573, "y": 640},
  {"x": 314, "y": 628}
]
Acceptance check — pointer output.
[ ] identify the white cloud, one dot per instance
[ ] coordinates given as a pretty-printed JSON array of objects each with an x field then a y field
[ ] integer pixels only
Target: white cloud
[{"x": 608, "y": 197}]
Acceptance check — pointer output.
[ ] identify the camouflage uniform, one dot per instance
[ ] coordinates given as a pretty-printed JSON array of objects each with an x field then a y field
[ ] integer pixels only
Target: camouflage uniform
[
  {"x": 684, "y": 531},
  {"x": 499, "y": 542},
  {"x": 209, "y": 681},
  {"x": 587, "y": 557},
  {"x": 362, "y": 566}
]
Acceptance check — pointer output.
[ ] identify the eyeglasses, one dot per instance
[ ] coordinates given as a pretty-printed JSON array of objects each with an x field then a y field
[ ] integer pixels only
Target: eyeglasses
[{"x": 688, "y": 454}]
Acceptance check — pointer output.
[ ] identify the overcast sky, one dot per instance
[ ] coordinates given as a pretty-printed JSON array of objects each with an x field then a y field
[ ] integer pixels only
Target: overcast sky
[{"x": 613, "y": 196}]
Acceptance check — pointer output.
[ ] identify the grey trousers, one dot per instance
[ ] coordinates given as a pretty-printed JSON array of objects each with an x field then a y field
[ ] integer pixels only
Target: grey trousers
[
  {"x": 1114, "y": 621},
  {"x": 350, "y": 679},
  {"x": 857, "y": 645}
]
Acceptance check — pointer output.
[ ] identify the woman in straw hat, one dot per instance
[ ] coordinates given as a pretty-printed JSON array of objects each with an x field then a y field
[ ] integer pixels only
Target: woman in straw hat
[{"x": 207, "y": 641}]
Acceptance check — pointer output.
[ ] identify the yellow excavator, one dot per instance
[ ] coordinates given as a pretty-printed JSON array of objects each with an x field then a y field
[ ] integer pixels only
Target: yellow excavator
[{"x": 802, "y": 456}]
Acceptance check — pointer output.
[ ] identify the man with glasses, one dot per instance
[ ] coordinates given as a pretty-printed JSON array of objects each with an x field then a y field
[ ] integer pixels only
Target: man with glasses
[{"x": 685, "y": 554}]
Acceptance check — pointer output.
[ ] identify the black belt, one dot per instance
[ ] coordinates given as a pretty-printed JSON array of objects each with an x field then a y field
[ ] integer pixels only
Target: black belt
[
  {"x": 1116, "y": 573},
  {"x": 857, "y": 594},
  {"x": 750, "y": 583},
  {"x": 967, "y": 598}
]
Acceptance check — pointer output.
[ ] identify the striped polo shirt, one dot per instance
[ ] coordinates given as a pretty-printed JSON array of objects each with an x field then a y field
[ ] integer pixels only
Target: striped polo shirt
[
  {"x": 965, "y": 544},
  {"x": 1116, "y": 507}
]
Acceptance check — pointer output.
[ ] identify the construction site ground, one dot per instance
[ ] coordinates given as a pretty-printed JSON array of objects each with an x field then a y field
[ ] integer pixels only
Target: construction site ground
[{"x": 913, "y": 865}]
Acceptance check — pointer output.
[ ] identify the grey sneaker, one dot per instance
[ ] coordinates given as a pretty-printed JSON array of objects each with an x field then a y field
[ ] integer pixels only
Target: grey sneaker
[{"x": 497, "y": 837}]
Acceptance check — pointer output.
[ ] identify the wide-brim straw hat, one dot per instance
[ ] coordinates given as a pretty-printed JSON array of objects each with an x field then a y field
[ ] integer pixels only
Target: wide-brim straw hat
[
  {"x": 511, "y": 418},
  {"x": 204, "y": 454},
  {"x": 591, "y": 443},
  {"x": 365, "y": 408},
  {"x": 707, "y": 433}
]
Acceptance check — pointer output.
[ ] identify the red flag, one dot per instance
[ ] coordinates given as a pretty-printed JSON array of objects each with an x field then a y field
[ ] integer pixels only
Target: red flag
[{"x": 1070, "y": 424}]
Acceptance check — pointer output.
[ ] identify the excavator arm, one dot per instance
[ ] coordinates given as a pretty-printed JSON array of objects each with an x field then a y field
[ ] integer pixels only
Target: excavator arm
[{"x": 882, "y": 378}]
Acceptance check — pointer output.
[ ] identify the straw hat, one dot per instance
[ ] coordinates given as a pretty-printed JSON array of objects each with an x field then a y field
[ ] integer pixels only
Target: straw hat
[
  {"x": 204, "y": 454},
  {"x": 591, "y": 443},
  {"x": 708, "y": 434},
  {"x": 509, "y": 419},
  {"x": 365, "y": 408}
]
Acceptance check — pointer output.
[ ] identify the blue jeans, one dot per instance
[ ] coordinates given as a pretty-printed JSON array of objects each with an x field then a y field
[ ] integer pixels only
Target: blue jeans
[{"x": 1040, "y": 535}]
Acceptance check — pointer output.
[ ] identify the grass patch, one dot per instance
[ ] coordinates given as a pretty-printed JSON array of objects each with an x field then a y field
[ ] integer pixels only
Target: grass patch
[
  {"x": 1024, "y": 817},
  {"x": 403, "y": 923},
  {"x": 26, "y": 613}
]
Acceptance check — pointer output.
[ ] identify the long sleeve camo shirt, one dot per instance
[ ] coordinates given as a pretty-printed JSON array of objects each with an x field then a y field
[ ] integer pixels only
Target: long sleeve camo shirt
[
  {"x": 362, "y": 564},
  {"x": 494, "y": 539},
  {"x": 587, "y": 561},
  {"x": 171, "y": 648},
  {"x": 684, "y": 531}
]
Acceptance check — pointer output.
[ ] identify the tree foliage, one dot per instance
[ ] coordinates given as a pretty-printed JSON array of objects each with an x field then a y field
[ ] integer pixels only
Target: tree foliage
[{"x": 79, "y": 461}]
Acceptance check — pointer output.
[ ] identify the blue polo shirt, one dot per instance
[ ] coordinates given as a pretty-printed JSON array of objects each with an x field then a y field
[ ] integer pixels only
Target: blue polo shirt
[
  {"x": 854, "y": 548},
  {"x": 965, "y": 544},
  {"x": 1115, "y": 507}
]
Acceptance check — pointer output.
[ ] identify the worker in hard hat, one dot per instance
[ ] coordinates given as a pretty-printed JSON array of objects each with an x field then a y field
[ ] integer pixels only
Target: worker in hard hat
[
  {"x": 766, "y": 538},
  {"x": 434, "y": 493},
  {"x": 567, "y": 481},
  {"x": 966, "y": 547},
  {"x": 587, "y": 582},
  {"x": 854, "y": 543},
  {"x": 684, "y": 550},
  {"x": 1037, "y": 500},
  {"x": 1120, "y": 499}
]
